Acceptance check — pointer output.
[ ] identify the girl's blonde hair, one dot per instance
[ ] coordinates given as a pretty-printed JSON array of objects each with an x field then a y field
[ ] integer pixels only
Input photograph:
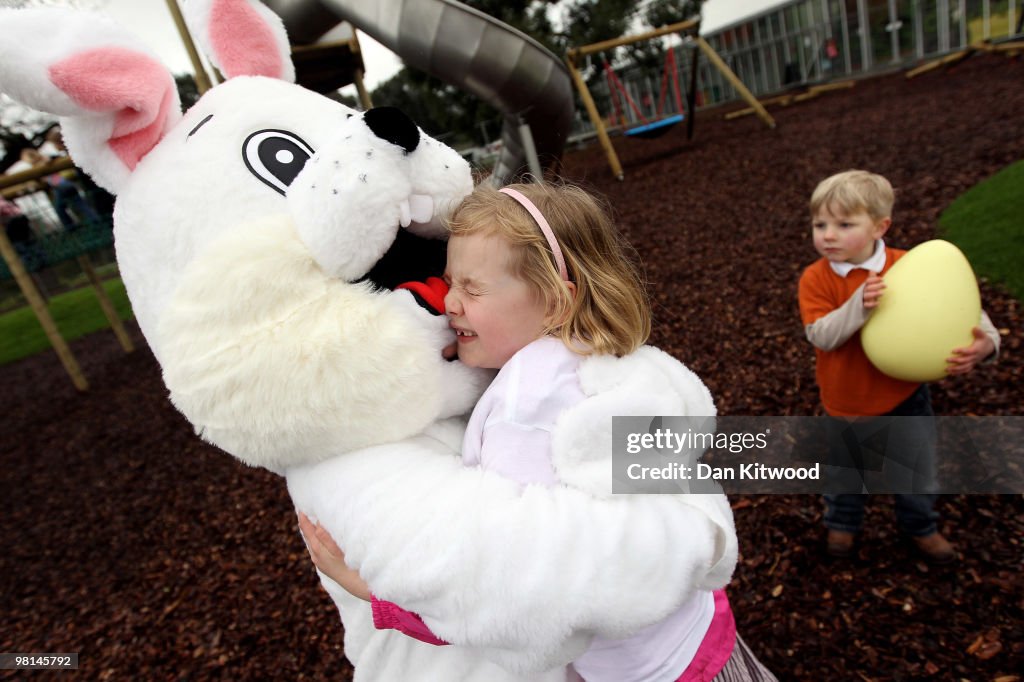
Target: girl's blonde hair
[
  {"x": 853, "y": 191},
  {"x": 610, "y": 312}
]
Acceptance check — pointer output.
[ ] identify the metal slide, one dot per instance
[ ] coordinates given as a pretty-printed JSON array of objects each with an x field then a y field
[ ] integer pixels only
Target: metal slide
[{"x": 467, "y": 49}]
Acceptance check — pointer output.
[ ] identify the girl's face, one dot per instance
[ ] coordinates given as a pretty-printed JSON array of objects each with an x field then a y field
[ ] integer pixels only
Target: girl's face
[{"x": 493, "y": 313}]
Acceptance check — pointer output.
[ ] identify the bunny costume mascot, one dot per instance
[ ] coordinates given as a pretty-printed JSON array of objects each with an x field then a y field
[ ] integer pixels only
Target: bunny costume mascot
[{"x": 260, "y": 236}]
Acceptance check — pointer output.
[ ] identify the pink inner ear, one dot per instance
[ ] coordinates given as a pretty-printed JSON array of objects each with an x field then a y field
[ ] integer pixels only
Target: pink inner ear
[
  {"x": 131, "y": 147},
  {"x": 242, "y": 41},
  {"x": 128, "y": 84}
]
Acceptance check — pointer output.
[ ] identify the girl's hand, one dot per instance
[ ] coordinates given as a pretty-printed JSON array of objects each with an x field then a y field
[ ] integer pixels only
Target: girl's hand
[
  {"x": 874, "y": 286},
  {"x": 329, "y": 558},
  {"x": 967, "y": 358}
]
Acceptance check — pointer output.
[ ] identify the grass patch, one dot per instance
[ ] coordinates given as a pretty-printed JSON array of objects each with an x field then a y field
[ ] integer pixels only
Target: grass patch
[
  {"x": 76, "y": 313},
  {"x": 985, "y": 222}
]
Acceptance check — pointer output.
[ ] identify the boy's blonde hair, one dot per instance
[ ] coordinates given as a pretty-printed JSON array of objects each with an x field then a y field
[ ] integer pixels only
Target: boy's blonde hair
[
  {"x": 610, "y": 312},
  {"x": 853, "y": 191}
]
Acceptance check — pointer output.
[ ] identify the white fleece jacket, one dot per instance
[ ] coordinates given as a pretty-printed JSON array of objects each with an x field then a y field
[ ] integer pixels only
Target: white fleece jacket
[{"x": 523, "y": 577}]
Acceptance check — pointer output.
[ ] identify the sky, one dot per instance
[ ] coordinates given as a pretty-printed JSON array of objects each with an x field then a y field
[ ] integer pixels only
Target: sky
[{"x": 151, "y": 20}]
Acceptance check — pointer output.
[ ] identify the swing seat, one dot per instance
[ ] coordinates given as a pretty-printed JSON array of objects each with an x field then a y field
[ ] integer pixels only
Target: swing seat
[{"x": 655, "y": 129}]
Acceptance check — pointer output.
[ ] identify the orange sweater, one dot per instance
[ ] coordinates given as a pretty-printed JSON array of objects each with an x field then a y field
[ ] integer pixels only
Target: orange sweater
[{"x": 850, "y": 385}]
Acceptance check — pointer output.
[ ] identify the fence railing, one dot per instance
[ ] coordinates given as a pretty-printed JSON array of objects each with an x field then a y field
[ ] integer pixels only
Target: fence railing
[{"x": 813, "y": 41}]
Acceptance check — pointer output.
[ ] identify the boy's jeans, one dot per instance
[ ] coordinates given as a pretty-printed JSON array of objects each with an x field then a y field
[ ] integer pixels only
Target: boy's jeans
[
  {"x": 910, "y": 438},
  {"x": 66, "y": 194}
]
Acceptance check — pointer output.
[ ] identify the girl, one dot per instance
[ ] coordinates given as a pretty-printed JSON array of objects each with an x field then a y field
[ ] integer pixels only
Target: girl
[{"x": 539, "y": 278}]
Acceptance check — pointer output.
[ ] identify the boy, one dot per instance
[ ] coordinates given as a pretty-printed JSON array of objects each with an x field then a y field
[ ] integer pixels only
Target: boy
[{"x": 851, "y": 212}]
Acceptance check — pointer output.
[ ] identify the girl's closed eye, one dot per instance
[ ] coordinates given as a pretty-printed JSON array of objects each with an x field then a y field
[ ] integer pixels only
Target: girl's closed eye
[{"x": 466, "y": 286}]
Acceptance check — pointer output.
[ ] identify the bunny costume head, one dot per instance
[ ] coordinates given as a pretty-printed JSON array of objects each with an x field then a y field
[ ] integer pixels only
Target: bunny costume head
[{"x": 260, "y": 234}]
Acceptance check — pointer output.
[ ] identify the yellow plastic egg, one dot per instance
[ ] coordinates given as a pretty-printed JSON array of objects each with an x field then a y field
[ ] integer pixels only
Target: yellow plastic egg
[{"x": 931, "y": 303}]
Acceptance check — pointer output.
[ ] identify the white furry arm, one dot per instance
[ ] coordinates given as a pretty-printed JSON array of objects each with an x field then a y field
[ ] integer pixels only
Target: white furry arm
[{"x": 530, "y": 575}]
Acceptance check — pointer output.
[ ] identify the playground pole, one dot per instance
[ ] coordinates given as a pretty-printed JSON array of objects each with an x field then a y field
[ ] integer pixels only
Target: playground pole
[
  {"x": 28, "y": 288},
  {"x": 691, "y": 96},
  {"x": 595, "y": 117},
  {"x": 735, "y": 81},
  {"x": 357, "y": 76},
  {"x": 629, "y": 40},
  {"x": 530, "y": 151},
  {"x": 106, "y": 305},
  {"x": 202, "y": 79}
]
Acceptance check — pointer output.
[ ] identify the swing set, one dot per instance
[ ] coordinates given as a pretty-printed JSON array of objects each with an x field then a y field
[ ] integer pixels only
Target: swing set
[{"x": 661, "y": 122}]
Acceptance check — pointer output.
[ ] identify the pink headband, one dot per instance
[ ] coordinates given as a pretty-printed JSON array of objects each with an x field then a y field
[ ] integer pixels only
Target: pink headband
[{"x": 544, "y": 227}]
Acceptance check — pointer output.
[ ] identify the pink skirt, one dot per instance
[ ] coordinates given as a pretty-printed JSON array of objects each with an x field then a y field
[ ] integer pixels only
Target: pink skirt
[{"x": 723, "y": 656}]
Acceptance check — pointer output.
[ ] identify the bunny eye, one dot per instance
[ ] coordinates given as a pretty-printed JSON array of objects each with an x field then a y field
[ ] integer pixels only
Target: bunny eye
[{"x": 275, "y": 157}]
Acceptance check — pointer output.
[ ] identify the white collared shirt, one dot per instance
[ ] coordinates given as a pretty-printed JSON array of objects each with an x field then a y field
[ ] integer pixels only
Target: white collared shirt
[{"x": 875, "y": 263}]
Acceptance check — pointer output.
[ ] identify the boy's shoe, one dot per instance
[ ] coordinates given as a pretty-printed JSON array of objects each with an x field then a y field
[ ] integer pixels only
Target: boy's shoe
[
  {"x": 839, "y": 543},
  {"x": 936, "y": 548}
]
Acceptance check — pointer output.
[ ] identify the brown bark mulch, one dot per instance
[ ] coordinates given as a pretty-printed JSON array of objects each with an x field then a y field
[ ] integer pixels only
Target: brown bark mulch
[{"x": 157, "y": 557}]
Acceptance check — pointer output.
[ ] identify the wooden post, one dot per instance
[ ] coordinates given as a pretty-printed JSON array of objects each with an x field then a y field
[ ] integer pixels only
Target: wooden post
[
  {"x": 106, "y": 304},
  {"x": 7, "y": 182},
  {"x": 1010, "y": 49},
  {"x": 202, "y": 79},
  {"x": 364, "y": 96},
  {"x": 735, "y": 81},
  {"x": 595, "y": 116},
  {"x": 924, "y": 68},
  {"x": 357, "y": 77},
  {"x": 829, "y": 87},
  {"x": 691, "y": 97},
  {"x": 629, "y": 40},
  {"x": 949, "y": 59},
  {"x": 28, "y": 288}
]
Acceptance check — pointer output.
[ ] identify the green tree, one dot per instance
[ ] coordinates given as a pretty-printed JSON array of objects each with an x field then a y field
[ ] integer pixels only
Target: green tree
[
  {"x": 649, "y": 55},
  {"x": 591, "y": 21},
  {"x": 528, "y": 16},
  {"x": 663, "y": 12}
]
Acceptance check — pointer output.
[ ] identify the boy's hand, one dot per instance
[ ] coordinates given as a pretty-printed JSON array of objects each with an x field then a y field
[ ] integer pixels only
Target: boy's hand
[
  {"x": 874, "y": 286},
  {"x": 967, "y": 358},
  {"x": 329, "y": 558}
]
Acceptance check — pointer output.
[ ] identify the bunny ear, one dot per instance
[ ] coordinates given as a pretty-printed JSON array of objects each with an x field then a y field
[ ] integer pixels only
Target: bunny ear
[
  {"x": 241, "y": 37},
  {"x": 116, "y": 101}
]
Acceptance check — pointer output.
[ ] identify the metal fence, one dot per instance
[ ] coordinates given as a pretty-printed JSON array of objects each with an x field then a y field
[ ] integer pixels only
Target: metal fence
[{"x": 813, "y": 41}]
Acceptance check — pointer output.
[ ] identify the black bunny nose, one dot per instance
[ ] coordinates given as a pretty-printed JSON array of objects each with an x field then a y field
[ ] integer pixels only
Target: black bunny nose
[{"x": 389, "y": 123}]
